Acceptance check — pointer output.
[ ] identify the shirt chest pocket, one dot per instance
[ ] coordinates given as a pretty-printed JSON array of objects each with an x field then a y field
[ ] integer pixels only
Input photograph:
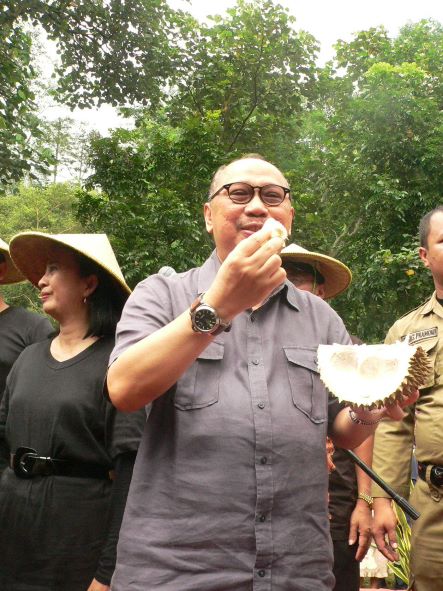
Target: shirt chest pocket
[
  {"x": 199, "y": 385},
  {"x": 307, "y": 391}
]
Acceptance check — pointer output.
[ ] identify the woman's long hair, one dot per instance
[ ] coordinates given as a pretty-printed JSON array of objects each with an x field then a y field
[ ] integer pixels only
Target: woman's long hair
[{"x": 106, "y": 301}]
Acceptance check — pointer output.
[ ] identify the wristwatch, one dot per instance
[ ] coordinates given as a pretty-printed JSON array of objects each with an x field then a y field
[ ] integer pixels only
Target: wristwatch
[{"x": 205, "y": 318}]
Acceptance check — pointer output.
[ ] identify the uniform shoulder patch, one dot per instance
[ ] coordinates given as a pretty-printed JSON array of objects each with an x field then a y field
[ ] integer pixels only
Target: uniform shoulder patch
[{"x": 420, "y": 335}]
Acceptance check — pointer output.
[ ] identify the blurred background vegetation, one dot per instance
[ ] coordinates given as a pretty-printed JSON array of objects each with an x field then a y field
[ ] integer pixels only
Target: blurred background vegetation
[{"x": 360, "y": 138}]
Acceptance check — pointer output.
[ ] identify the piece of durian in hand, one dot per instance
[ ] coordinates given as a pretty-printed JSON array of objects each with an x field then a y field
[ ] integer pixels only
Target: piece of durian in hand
[
  {"x": 276, "y": 228},
  {"x": 372, "y": 376}
]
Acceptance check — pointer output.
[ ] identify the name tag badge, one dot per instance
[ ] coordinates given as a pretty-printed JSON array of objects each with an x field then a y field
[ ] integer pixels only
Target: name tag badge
[{"x": 421, "y": 335}]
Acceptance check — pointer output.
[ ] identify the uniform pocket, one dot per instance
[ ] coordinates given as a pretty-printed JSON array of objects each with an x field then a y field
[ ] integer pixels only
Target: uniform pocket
[
  {"x": 308, "y": 393},
  {"x": 199, "y": 385}
]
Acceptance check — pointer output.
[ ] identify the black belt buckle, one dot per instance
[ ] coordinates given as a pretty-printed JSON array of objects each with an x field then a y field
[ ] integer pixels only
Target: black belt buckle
[
  {"x": 23, "y": 462},
  {"x": 436, "y": 476}
]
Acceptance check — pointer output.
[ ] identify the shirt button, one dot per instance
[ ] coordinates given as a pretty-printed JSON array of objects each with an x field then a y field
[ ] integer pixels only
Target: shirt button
[
  {"x": 262, "y": 518},
  {"x": 263, "y": 460},
  {"x": 261, "y": 572},
  {"x": 255, "y": 362},
  {"x": 261, "y": 405}
]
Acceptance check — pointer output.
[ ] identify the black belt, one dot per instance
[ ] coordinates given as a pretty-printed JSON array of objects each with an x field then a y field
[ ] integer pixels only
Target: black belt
[
  {"x": 26, "y": 463},
  {"x": 435, "y": 473}
]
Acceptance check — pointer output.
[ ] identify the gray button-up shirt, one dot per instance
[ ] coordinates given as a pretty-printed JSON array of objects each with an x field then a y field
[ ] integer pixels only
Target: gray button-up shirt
[{"x": 229, "y": 491}]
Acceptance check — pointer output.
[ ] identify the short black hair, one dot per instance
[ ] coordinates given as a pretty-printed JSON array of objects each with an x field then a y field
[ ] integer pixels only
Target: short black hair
[
  {"x": 304, "y": 269},
  {"x": 424, "y": 226},
  {"x": 106, "y": 301}
]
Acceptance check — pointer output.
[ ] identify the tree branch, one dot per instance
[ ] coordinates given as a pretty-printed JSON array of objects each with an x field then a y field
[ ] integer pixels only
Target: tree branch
[
  {"x": 254, "y": 102},
  {"x": 346, "y": 232}
]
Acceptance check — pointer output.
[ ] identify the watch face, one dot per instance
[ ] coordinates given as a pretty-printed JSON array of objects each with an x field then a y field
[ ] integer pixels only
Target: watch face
[{"x": 205, "y": 319}]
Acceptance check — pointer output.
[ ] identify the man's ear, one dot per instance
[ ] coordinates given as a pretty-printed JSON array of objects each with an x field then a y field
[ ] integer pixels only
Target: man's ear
[
  {"x": 320, "y": 290},
  {"x": 423, "y": 254},
  {"x": 207, "y": 212},
  {"x": 292, "y": 219}
]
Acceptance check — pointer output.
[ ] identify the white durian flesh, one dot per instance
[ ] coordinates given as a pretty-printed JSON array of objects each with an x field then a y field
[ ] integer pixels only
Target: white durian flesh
[
  {"x": 371, "y": 376},
  {"x": 276, "y": 228}
]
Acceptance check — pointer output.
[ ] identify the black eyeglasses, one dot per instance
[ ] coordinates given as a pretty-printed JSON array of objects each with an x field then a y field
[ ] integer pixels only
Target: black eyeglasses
[{"x": 243, "y": 193}]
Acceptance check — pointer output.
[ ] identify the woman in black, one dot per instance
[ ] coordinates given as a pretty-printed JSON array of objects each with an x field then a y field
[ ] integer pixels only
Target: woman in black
[{"x": 62, "y": 499}]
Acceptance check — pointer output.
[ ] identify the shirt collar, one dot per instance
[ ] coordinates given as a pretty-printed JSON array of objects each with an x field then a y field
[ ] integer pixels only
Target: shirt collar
[
  {"x": 433, "y": 306},
  {"x": 292, "y": 295},
  {"x": 209, "y": 270}
]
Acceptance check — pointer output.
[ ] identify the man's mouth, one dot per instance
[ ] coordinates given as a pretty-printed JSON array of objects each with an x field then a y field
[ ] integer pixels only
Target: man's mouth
[{"x": 251, "y": 228}]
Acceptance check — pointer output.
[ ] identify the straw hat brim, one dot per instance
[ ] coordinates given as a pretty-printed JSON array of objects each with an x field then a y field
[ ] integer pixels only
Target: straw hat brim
[
  {"x": 31, "y": 251},
  {"x": 337, "y": 275},
  {"x": 12, "y": 275}
]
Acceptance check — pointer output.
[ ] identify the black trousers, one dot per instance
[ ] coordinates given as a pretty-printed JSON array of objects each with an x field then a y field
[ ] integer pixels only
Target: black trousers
[{"x": 346, "y": 568}]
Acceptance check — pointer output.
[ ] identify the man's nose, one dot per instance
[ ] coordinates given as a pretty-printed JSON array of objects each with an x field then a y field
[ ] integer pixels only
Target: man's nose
[{"x": 256, "y": 204}]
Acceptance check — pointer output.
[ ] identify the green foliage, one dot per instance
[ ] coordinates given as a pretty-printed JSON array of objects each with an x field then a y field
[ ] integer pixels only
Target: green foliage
[
  {"x": 253, "y": 68},
  {"x": 359, "y": 140},
  {"x": 17, "y": 108},
  {"x": 23, "y": 294},
  {"x": 48, "y": 209},
  {"x": 401, "y": 568},
  {"x": 45, "y": 209},
  {"x": 386, "y": 285},
  {"x": 241, "y": 81},
  {"x": 366, "y": 49},
  {"x": 66, "y": 143},
  {"x": 368, "y": 167},
  {"x": 153, "y": 183},
  {"x": 362, "y": 153},
  {"x": 111, "y": 52},
  {"x": 117, "y": 52}
]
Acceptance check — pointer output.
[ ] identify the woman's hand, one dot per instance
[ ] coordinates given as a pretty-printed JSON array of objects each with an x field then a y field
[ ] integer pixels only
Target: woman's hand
[
  {"x": 96, "y": 586},
  {"x": 395, "y": 411}
]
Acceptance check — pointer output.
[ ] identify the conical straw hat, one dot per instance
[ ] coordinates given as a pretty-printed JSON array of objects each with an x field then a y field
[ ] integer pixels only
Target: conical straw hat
[
  {"x": 337, "y": 275},
  {"x": 31, "y": 252},
  {"x": 13, "y": 275}
]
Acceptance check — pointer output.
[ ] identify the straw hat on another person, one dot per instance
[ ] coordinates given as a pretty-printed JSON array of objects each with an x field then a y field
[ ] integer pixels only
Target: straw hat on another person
[
  {"x": 31, "y": 251},
  {"x": 337, "y": 275},
  {"x": 12, "y": 275}
]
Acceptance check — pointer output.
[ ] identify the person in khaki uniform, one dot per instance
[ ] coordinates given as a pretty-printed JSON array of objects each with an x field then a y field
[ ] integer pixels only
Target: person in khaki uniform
[{"x": 423, "y": 422}]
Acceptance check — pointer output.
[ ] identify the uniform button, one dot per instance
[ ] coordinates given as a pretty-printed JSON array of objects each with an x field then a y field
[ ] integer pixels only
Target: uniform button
[
  {"x": 261, "y": 405},
  {"x": 262, "y": 518},
  {"x": 261, "y": 572},
  {"x": 255, "y": 362},
  {"x": 263, "y": 460}
]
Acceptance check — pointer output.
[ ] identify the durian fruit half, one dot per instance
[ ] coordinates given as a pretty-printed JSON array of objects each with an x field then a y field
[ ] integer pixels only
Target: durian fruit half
[{"x": 372, "y": 376}]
